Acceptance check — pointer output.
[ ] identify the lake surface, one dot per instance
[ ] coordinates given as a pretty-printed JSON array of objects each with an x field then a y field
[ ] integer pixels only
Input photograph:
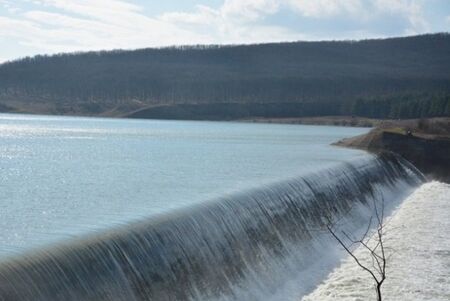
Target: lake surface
[{"x": 64, "y": 177}]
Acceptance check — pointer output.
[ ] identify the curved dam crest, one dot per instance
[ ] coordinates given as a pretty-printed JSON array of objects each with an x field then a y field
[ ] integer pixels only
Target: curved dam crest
[{"x": 264, "y": 244}]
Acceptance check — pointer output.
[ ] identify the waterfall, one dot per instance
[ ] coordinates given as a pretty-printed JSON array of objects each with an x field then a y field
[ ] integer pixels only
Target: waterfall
[{"x": 256, "y": 245}]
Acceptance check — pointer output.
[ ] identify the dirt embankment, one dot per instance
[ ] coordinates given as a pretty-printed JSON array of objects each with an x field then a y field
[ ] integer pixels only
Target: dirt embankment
[{"x": 425, "y": 143}]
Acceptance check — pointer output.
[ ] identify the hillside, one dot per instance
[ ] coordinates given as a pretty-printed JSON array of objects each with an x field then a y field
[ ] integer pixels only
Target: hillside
[{"x": 390, "y": 78}]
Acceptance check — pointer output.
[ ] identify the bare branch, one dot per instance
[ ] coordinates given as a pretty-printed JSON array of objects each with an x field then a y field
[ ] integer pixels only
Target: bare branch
[
  {"x": 377, "y": 252},
  {"x": 352, "y": 255}
]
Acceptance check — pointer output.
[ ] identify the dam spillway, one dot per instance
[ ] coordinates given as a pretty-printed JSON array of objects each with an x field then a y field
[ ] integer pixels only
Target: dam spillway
[{"x": 245, "y": 246}]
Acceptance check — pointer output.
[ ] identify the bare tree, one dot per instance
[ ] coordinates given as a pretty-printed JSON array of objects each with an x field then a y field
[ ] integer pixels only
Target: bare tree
[{"x": 376, "y": 248}]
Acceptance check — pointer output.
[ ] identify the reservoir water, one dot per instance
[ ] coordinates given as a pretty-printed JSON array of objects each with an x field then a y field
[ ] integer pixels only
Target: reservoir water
[{"x": 62, "y": 177}]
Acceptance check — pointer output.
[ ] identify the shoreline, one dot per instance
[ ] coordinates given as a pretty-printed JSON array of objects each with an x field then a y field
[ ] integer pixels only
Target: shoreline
[
  {"x": 425, "y": 143},
  {"x": 328, "y": 120},
  {"x": 345, "y": 121}
]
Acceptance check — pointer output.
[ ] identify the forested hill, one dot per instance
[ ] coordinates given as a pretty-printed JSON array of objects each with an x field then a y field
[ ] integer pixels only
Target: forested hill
[{"x": 389, "y": 78}]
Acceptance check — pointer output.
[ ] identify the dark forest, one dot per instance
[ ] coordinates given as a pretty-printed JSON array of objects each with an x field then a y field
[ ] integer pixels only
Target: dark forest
[{"x": 387, "y": 78}]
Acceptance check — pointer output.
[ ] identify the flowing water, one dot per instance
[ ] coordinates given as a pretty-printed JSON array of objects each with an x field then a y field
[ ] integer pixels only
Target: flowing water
[
  {"x": 96, "y": 209},
  {"x": 418, "y": 248}
]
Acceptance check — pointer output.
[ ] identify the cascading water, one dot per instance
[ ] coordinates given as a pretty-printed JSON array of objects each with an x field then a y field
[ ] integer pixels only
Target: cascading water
[{"x": 266, "y": 244}]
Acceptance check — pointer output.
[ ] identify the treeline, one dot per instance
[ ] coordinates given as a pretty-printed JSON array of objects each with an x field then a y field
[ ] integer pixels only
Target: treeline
[
  {"x": 401, "y": 107},
  {"x": 390, "y": 78},
  {"x": 404, "y": 106}
]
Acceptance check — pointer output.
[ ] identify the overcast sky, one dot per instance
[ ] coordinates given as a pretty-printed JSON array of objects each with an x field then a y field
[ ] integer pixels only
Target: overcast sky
[{"x": 29, "y": 27}]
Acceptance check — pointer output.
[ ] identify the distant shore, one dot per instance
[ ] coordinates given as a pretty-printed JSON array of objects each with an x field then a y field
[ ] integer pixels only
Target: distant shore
[{"x": 351, "y": 121}]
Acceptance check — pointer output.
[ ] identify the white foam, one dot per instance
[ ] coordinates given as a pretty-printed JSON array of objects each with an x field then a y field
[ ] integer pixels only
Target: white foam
[{"x": 419, "y": 269}]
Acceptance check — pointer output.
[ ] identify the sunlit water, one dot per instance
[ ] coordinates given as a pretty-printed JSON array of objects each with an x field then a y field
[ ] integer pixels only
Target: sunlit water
[{"x": 64, "y": 177}]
